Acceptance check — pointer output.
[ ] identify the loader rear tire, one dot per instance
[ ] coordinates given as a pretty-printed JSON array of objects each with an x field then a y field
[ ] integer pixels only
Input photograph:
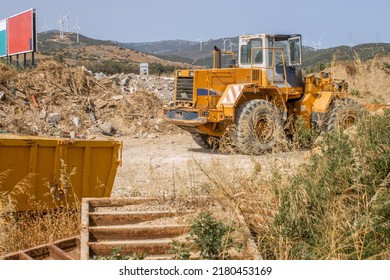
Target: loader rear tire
[
  {"x": 204, "y": 141},
  {"x": 343, "y": 114},
  {"x": 258, "y": 127}
]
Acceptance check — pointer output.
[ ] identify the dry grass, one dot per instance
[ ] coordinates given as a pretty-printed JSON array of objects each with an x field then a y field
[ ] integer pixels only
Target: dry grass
[
  {"x": 334, "y": 206},
  {"x": 368, "y": 81},
  {"x": 22, "y": 230}
]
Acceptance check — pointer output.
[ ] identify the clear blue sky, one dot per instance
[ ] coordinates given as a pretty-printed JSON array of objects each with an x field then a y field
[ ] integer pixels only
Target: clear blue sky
[{"x": 332, "y": 21}]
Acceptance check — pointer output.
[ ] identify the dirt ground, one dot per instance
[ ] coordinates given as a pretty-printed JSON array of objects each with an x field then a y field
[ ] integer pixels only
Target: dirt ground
[{"x": 174, "y": 163}]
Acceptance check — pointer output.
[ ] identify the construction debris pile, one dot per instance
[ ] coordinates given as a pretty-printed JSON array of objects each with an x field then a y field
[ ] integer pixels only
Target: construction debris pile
[
  {"x": 56, "y": 100},
  {"x": 162, "y": 87}
]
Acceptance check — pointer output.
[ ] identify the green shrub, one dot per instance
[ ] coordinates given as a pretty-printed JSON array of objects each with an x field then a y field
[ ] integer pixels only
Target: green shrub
[
  {"x": 303, "y": 137},
  {"x": 355, "y": 92},
  {"x": 180, "y": 251},
  {"x": 110, "y": 67},
  {"x": 211, "y": 236},
  {"x": 156, "y": 68},
  {"x": 116, "y": 254}
]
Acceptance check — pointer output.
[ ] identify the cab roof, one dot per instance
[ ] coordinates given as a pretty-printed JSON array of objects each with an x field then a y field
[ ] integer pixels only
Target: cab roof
[{"x": 278, "y": 37}]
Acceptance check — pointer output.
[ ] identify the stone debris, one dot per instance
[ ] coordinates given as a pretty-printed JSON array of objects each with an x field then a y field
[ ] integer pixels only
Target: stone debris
[
  {"x": 76, "y": 121},
  {"x": 54, "y": 99},
  {"x": 54, "y": 118},
  {"x": 162, "y": 87}
]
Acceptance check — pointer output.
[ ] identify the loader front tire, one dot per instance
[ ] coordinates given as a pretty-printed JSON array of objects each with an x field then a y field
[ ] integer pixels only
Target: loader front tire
[
  {"x": 204, "y": 141},
  {"x": 258, "y": 127},
  {"x": 343, "y": 114}
]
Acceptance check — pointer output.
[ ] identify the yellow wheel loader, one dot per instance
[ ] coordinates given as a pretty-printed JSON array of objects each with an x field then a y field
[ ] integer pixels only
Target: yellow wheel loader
[{"x": 252, "y": 98}]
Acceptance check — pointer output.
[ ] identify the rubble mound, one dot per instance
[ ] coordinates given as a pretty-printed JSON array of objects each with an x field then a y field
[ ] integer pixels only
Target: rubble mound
[
  {"x": 162, "y": 87},
  {"x": 54, "y": 99}
]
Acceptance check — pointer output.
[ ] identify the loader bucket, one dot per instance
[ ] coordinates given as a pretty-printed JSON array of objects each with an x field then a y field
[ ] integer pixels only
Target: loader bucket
[{"x": 47, "y": 173}]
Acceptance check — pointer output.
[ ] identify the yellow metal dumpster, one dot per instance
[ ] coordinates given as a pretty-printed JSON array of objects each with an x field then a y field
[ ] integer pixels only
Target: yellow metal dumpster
[{"x": 56, "y": 172}]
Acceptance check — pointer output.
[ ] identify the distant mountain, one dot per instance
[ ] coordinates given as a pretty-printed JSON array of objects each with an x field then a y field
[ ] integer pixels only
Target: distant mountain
[
  {"x": 162, "y": 47},
  {"x": 189, "y": 51},
  {"x": 182, "y": 52}
]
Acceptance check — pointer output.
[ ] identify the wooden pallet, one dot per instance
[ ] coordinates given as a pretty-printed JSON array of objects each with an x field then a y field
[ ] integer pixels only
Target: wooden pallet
[
  {"x": 138, "y": 227},
  {"x": 64, "y": 249},
  {"x": 109, "y": 224}
]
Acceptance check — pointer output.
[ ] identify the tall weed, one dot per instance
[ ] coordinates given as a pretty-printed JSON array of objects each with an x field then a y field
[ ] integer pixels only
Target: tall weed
[
  {"x": 22, "y": 230},
  {"x": 336, "y": 205}
]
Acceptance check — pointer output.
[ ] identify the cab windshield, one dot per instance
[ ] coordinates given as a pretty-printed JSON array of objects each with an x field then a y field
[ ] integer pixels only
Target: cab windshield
[{"x": 246, "y": 51}]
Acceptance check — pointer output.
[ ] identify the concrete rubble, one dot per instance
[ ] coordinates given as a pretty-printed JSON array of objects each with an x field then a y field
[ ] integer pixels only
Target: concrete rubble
[
  {"x": 162, "y": 87},
  {"x": 57, "y": 100}
]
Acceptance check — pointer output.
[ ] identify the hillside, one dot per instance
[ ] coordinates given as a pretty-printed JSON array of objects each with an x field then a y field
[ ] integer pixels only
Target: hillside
[
  {"x": 189, "y": 51},
  {"x": 112, "y": 57},
  {"x": 51, "y": 41},
  {"x": 184, "y": 51},
  {"x": 365, "y": 52},
  {"x": 108, "y": 57}
]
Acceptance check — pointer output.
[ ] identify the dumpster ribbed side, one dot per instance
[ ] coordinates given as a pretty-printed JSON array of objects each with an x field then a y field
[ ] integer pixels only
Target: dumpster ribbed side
[{"x": 59, "y": 171}]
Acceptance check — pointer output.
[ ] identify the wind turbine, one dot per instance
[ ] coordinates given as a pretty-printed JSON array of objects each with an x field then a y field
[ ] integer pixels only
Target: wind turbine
[
  {"x": 45, "y": 28},
  {"x": 317, "y": 45},
  {"x": 201, "y": 43},
  {"x": 78, "y": 28},
  {"x": 231, "y": 44},
  {"x": 224, "y": 43},
  {"x": 61, "y": 24},
  {"x": 66, "y": 21}
]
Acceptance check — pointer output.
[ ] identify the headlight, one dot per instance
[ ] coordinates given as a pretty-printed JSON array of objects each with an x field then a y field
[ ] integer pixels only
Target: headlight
[
  {"x": 179, "y": 73},
  {"x": 191, "y": 73}
]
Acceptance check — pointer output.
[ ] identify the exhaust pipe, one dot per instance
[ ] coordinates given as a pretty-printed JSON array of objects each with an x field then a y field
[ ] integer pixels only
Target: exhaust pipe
[{"x": 217, "y": 57}]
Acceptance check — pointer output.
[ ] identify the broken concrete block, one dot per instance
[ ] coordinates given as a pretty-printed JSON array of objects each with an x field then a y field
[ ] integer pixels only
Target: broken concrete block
[
  {"x": 106, "y": 128},
  {"x": 54, "y": 118},
  {"x": 117, "y": 97},
  {"x": 42, "y": 114},
  {"x": 76, "y": 121},
  {"x": 125, "y": 81}
]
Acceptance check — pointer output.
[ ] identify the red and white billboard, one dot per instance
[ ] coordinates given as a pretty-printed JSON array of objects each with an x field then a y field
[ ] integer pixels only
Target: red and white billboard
[{"x": 21, "y": 33}]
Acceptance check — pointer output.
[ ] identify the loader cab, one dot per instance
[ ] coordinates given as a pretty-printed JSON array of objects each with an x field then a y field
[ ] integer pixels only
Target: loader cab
[{"x": 279, "y": 55}]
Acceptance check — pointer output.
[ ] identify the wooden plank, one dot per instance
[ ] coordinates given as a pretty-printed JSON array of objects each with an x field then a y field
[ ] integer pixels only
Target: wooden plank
[
  {"x": 68, "y": 243},
  {"x": 58, "y": 254},
  {"x": 103, "y": 233},
  {"x": 84, "y": 232},
  {"x": 250, "y": 242},
  {"x": 130, "y": 247},
  {"x": 21, "y": 255},
  {"x": 131, "y": 217},
  {"x": 24, "y": 256},
  {"x": 42, "y": 252},
  {"x": 112, "y": 202}
]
